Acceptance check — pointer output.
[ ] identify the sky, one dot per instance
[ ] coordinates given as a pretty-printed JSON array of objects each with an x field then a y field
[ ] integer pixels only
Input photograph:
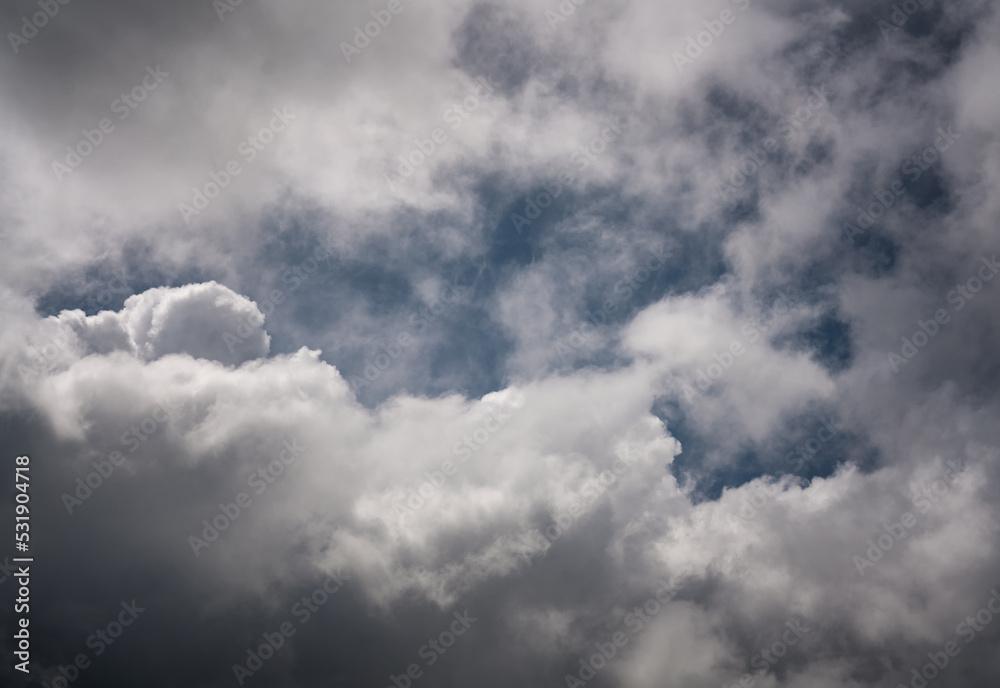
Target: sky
[{"x": 404, "y": 344}]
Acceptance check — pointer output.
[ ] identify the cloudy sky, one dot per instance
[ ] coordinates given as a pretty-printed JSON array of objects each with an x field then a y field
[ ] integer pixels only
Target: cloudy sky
[{"x": 412, "y": 344}]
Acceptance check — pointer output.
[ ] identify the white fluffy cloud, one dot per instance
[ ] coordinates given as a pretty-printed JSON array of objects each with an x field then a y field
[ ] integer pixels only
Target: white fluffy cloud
[
  {"x": 438, "y": 497},
  {"x": 432, "y": 496}
]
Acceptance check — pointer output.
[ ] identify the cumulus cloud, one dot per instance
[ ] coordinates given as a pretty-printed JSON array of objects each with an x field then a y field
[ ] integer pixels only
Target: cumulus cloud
[
  {"x": 200, "y": 320},
  {"x": 526, "y": 313}
]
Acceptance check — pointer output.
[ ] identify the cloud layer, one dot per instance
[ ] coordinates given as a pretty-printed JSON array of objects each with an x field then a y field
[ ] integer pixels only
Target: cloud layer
[{"x": 624, "y": 344}]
